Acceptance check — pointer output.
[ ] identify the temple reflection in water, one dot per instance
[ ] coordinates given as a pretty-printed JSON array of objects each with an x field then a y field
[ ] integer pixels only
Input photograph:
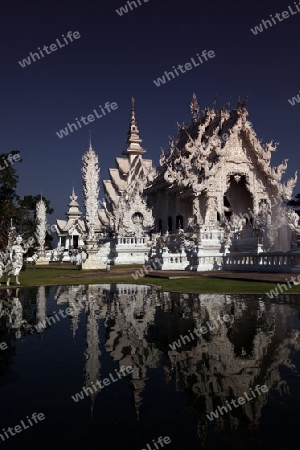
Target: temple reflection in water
[{"x": 130, "y": 325}]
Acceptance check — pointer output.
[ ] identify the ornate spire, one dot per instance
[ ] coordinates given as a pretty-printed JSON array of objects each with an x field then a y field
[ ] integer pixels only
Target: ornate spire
[
  {"x": 195, "y": 108},
  {"x": 133, "y": 139},
  {"x": 41, "y": 225},
  {"x": 73, "y": 212},
  {"x": 90, "y": 177}
]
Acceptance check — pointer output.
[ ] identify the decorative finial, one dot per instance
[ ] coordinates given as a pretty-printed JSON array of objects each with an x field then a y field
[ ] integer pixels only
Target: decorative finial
[
  {"x": 195, "y": 108},
  {"x": 133, "y": 138},
  {"x": 133, "y": 121},
  {"x": 245, "y": 101},
  {"x": 227, "y": 106},
  {"x": 214, "y": 102}
]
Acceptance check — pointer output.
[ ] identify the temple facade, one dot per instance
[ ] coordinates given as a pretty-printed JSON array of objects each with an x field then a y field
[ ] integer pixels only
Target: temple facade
[
  {"x": 213, "y": 194},
  {"x": 70, "y": 232},
  {"x": 125, "y": 213}
]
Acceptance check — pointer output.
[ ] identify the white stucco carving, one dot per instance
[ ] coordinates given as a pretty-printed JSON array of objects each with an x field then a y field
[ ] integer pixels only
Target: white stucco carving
[
  {"x": 15, "y": 258},
  {"x": 41, "y": 227},
  {"x": 90, "y": 177},
  {"x": 214, "y": 184}
]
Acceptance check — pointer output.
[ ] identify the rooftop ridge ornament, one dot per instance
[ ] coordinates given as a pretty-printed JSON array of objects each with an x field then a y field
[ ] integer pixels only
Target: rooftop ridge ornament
[
  {"x": 194, "y": 106},
  {"x": 243, "y": 105},
  {"x": 90, "y": 141},
  {"x": 227, "y": 106},
  {"x": 214, "y": 103},
  {"x": 73, "y": 196}
]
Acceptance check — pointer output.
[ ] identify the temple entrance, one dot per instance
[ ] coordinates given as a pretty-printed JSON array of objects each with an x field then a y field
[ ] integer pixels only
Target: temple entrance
[
  {"x": 179, "y": 222},
  {"x": 227, "y": 208},
  {"x": 75, "y": 242},
  {"x": 238, "y": 199}
]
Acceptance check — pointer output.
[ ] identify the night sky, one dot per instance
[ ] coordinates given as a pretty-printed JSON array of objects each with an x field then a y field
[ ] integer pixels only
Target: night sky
[{"x": 117, "y": 57}]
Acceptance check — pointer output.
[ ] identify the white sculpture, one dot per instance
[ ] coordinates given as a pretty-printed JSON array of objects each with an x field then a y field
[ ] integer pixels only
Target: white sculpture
[
  {"x": 41, "y": 230},
  {"x": 41, "y": 227},
  {"x": 90, "y": 177},
  {"x": 2, "y": 264},
  {"x": 136, "y": 217},
  {"x": 15, "y": 258},
  {"x": 293, "y": 223}
]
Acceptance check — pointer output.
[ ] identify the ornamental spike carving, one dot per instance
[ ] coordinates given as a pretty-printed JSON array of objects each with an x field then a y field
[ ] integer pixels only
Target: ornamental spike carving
[
  {"x": 41, "y": 225},
  {"x": 90, "y": 177},
  {"x": 195, "y": 108},
  {"x": 217, "y": 142}
]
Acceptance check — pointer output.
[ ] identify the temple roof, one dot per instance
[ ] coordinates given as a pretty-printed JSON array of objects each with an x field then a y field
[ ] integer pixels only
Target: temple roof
[
  {"x": 65, "y": 226},
  {"x": 73, "y": 211},
  {"x": 119, "y": 182},
  {"x": 110, "y": 190},
  {"x": 123, "y": 165},
  {"x": 207, "y": 142},
  {"x": 103, "y": 217},
  {"x": 73, "y": 221},
  {"x": 129, "y": 176}
]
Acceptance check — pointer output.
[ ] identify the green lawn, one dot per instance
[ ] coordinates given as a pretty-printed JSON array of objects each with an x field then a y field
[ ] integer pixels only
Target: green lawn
[{"x": 59, "y": 276}]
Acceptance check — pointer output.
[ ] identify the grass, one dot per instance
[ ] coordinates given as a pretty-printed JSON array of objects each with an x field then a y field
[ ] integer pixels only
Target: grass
[{"x": 61, "y": 276}]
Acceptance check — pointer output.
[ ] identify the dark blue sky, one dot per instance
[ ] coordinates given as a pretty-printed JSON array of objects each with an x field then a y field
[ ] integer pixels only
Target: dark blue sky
[{"x": 119, "y": 57}]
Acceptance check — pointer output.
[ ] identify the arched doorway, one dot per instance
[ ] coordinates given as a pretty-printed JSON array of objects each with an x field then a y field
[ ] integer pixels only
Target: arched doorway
[{"x": 238, "y": 199}]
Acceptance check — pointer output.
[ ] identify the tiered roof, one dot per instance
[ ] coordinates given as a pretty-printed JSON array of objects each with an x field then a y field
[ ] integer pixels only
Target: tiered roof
[
  {"x": 73, "y": 221},
  {"x": 129, "y": 171}
]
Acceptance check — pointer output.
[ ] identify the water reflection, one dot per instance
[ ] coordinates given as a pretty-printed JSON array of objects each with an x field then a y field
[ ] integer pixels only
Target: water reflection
[
  {"x": 130, "y": 325},
  {"x": 11, "y": 314}
]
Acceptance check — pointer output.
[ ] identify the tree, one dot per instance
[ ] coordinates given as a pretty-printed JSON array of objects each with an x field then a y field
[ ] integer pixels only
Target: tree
[
  {"x": 8, "y": 197},
  {"x": 22, "y": 212}
]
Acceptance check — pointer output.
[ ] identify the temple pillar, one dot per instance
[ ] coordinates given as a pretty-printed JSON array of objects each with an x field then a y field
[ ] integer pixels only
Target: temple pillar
[
  {"x": 165, "y": 213},
  {"x": 175, "y": 213}
]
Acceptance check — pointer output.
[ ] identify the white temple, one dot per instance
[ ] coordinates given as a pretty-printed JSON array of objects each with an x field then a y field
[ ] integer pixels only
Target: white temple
[
  {"x": 214, "y": 201},
  {"x": 70, "y": 231}
]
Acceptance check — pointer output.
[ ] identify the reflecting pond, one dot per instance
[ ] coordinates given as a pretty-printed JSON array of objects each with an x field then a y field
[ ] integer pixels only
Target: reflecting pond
[{"x": 120, "y": 366}]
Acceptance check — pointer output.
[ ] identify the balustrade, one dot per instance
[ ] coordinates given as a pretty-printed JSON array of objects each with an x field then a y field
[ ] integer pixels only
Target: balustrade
[
  {"x": 132, "y": 240},
  {"x": 262, "y": 262}
]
